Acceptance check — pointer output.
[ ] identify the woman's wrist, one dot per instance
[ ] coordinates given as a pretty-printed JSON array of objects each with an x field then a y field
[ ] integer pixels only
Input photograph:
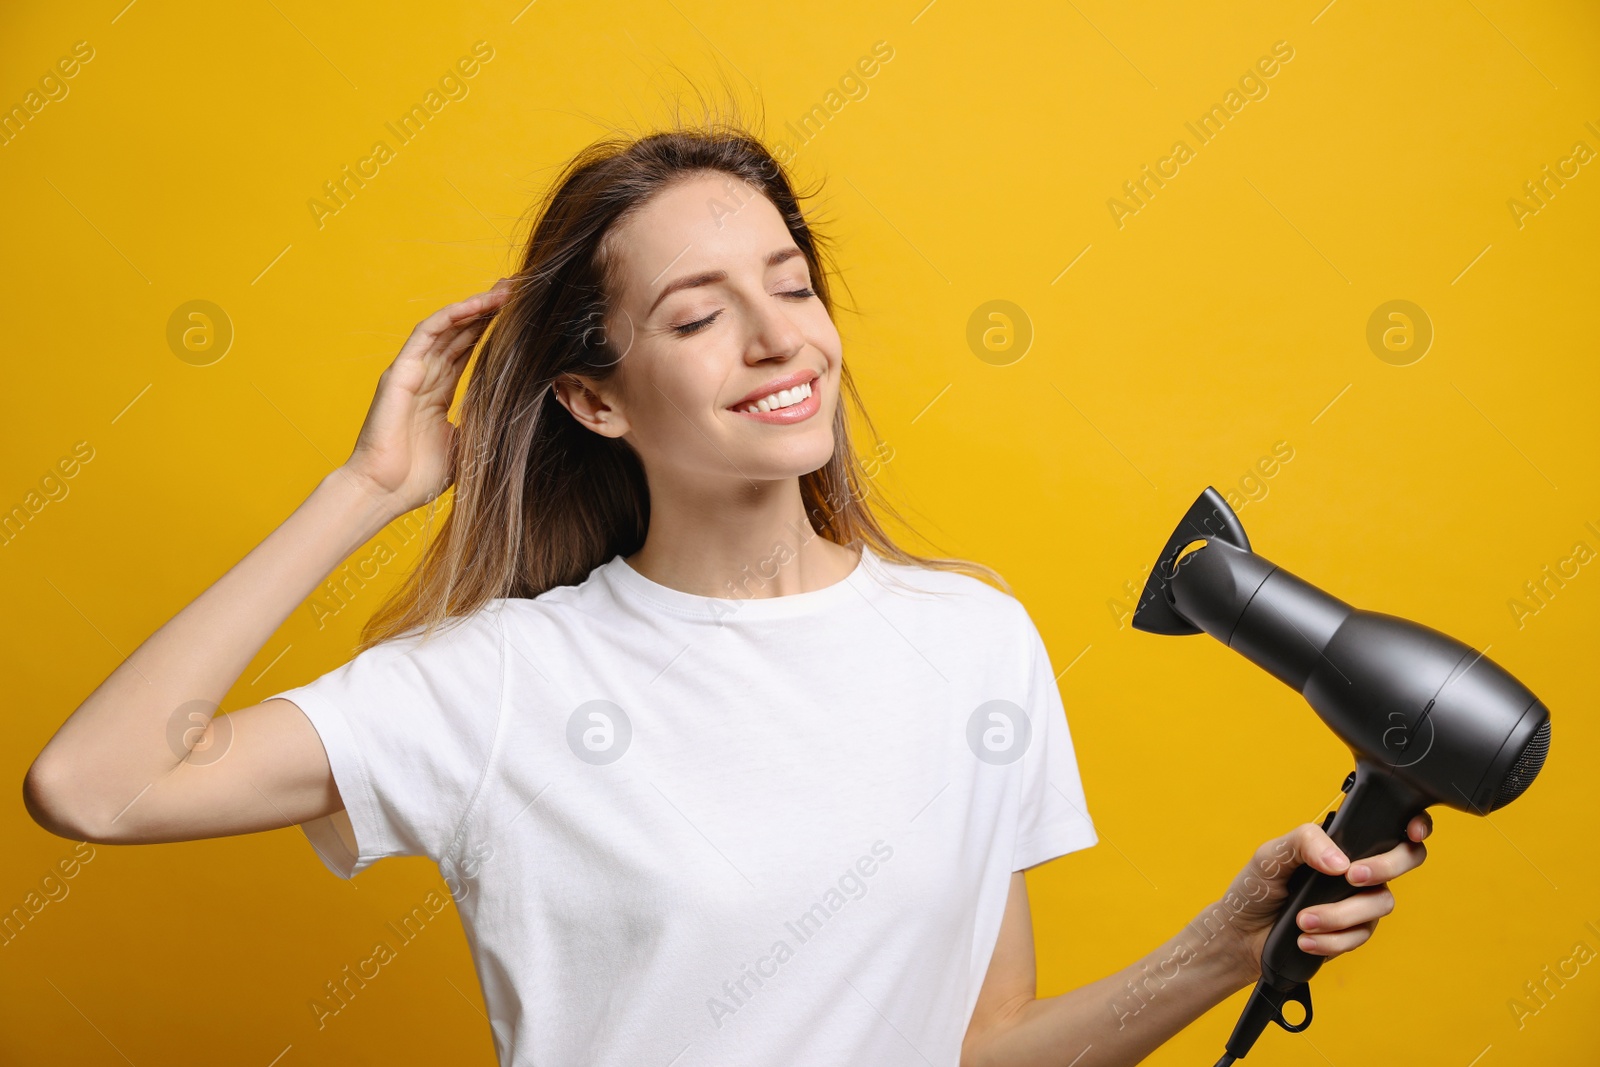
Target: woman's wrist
[
  {"x": 363, "y": 510},
  {"x": 1214, "y": 934}
]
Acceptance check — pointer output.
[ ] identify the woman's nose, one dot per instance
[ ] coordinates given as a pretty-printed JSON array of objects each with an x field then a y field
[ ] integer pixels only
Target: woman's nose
[{"x": 774, "y": 335}]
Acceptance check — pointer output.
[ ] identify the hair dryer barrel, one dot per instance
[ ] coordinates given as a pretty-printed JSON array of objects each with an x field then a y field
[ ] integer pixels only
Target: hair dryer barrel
[
  {"x": 1260, "y": 610},
  {"x": 1429, "y": 709}
]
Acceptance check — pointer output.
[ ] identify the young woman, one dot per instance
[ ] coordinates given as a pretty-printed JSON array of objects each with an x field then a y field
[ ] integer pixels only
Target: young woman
[{"x": 715, "y": 772}]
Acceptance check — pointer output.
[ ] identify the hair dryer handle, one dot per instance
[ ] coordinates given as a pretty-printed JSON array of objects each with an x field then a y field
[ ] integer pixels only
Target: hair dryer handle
[{"x": 1372, "y": 820}]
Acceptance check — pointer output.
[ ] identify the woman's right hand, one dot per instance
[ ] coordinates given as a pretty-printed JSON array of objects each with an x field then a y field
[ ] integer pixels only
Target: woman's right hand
[{"x": 402, "y": 455}]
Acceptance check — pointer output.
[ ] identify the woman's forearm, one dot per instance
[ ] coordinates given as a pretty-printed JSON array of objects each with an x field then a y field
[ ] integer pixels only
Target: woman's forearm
[
  {"x": 121, "y": 738},
  {"x": 1122, "y": 1018}
]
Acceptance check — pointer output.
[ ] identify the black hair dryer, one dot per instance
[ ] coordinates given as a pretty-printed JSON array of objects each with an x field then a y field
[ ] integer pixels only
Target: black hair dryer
[{"x": 1428, "y": 719}]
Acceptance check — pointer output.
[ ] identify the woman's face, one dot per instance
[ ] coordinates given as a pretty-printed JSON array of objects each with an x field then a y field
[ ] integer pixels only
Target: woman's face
[{"x": 715, "y": 312}]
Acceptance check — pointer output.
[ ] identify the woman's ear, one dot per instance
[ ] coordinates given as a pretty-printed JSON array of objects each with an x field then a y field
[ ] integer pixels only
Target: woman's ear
[{"x": 581, "y": 396}]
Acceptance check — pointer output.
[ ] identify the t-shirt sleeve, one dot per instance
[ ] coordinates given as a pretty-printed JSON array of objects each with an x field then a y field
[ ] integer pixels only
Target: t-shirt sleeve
[
  {"x": 408, "y": 726},
  {"x": 1053, "y": 817}
]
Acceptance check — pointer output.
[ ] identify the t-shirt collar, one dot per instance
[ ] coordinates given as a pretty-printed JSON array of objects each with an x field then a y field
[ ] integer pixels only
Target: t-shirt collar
[{"x": 635, "y": 586}]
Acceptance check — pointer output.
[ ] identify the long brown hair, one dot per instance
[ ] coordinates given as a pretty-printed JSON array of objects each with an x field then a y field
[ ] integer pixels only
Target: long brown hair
[{"x": 540, "y": 501}]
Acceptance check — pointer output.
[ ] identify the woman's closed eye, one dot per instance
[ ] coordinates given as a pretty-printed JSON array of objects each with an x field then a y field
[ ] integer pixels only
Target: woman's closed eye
[{"x": 695, "y": 327}]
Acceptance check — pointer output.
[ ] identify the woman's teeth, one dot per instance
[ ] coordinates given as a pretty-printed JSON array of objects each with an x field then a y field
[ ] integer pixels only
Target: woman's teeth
[{"x": 781, "y": 399}]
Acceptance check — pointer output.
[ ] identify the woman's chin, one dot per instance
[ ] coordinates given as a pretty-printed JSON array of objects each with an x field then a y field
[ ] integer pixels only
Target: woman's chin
[{"x": 797, "y": 459}]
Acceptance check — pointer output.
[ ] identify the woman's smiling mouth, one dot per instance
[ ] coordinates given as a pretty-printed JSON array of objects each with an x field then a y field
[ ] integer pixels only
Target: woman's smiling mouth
[{"x": 785, "y": 400}]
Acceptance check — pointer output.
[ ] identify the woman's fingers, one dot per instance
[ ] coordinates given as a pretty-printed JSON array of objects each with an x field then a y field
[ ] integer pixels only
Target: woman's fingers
[
  {"x": 437, "y": 330},
  {"x": 465, "y": 336},
  {"x": 1339, "y": 926},
  {"x": 1311, "y": 845},
  {"x": 430, "y": 364},
  {"x": 1405, "y": 856},
  {"x": 1333, "y": 944},
  {"x": 1342, "y": 925},
  {"x": 1352, "y": 911},
  {"x": 1372, "y": 870}
]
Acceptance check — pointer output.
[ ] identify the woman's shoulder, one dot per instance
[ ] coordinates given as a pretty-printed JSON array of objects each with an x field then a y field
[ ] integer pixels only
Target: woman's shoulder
[
  {"x": 465, "y": 634},
  {"x": 557, "y": 604},
  {"x": 961, "y": 590}
]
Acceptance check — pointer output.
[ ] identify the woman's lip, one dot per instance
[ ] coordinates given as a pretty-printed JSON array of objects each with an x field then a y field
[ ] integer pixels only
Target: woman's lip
[
  {"x": 793, "y": 413},
  {"x": 776, "y": 385}
]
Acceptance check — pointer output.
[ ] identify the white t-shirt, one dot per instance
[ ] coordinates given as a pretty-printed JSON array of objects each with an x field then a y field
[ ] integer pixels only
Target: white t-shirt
[{"x": 690, "y": 830}]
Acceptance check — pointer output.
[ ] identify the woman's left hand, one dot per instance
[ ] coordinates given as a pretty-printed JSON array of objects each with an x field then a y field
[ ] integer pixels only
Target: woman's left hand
[{"x": 1326, "y": 929}]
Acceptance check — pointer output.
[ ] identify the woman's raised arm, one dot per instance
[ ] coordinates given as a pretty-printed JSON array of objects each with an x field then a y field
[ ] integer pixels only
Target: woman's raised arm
[{"x": 142, "y": 759}]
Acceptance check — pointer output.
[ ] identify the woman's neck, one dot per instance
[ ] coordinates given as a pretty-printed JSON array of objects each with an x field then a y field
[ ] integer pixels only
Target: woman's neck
[{"x": 751, "y": 541}]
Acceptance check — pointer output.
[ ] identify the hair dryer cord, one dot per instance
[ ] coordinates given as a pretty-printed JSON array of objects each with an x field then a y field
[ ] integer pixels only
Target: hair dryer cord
[{"x": 1266, "y": 1006}]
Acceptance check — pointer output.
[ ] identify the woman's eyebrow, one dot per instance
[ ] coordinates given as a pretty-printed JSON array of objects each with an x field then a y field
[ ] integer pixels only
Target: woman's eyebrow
[{"x": 711, "y": 277}]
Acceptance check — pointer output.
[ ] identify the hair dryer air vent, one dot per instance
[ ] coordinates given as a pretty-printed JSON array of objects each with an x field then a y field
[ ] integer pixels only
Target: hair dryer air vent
[{"x": 1526, "y": 769}]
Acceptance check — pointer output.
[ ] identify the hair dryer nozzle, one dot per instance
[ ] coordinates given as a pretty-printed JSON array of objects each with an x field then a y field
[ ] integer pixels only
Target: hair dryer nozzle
[{"x": 1207, "y": 518}]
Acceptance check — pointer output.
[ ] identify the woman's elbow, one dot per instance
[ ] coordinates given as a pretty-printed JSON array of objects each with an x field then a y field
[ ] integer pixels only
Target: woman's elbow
[{"x": 47, "y": 796}]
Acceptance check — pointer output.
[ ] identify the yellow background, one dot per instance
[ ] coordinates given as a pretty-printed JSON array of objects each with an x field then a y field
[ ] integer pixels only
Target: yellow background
[{"x": 1227, "y": 315}]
